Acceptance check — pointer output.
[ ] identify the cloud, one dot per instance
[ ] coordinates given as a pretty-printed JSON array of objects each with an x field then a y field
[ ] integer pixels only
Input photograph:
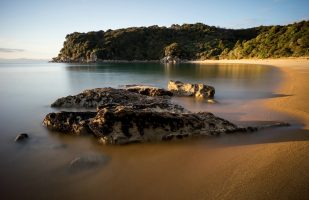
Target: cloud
[{"x": 10, "y": 50}]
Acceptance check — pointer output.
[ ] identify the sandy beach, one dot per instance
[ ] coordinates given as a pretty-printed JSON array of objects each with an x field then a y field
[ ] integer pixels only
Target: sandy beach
[
  {"x": 292, "y": 89},
  {"x": 270, "y": 164},
  {"x": 273, "y": 166}
]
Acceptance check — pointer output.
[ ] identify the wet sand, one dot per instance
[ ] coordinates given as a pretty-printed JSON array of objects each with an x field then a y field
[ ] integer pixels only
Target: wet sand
[
  {"x": 276, "y": 168},
  {"x": 293, "y": 87}
]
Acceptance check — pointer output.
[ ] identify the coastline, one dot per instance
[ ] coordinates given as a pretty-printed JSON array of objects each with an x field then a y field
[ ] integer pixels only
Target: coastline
[
  {"x": 293, "y": 85},
  {"x": 269, "y": 164},
  {"x": 107, "y": 61}
]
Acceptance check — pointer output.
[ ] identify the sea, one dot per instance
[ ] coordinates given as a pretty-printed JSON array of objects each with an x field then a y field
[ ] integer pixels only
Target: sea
[{"x": 41, "y": 167}]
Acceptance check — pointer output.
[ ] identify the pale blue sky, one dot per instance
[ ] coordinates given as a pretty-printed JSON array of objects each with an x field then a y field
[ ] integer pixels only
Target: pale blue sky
[{"x": 37, "y": 28}]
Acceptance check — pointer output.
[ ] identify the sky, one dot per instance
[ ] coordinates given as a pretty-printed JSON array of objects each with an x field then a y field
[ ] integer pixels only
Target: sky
[{"x": 36, "y": 29}]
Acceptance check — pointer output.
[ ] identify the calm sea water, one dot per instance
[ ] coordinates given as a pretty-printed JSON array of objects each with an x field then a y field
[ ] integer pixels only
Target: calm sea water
[{"x": 38, "y": 168}]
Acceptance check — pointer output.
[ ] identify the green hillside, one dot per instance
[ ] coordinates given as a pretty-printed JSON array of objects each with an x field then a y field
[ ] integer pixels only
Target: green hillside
[{"x": 187, "y": 41}]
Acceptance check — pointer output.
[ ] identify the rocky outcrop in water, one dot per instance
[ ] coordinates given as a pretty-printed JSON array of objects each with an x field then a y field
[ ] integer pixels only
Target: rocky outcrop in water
[
  {"x": 134, "y": 114},
  {"x": 21, "y": 137},
  {"x": 124, "y": 116},
  {"x": 106, "y": 96},
  {"x": 200, "y": 90},
  {"x": 127, "y": 124},
  {"x": 170, "y": 60}
]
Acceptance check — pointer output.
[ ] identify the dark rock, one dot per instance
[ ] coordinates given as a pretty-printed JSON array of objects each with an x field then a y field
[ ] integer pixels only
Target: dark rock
[
  {"x": 126, "y": 124},
  {"x": 251, "y": 129},
  {"x": 21, "y": 137},
  {"x": 105, "y": 96},
  {"x": 149, "y": 90},
  {"x": 69, "y": 122},
  {"x": 124, "y": 116},
  {"x": 187, "y": 89},
  {"x": 160, "y": 106}
]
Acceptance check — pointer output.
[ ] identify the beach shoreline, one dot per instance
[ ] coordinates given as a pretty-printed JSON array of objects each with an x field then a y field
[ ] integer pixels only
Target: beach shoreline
[
  {"x": 293, "y": 97},
  {"x": 268, "y": 164}
]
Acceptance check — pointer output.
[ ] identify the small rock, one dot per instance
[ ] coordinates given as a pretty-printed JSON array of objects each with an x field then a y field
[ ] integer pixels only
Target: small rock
[
  {"x": 170, "y": 60},
  {"x": 87, "y": 162},
  {"x": 21, "y": 137},
  {"x": 212, "y": 101},
  {"x": 200, "y": 90}
]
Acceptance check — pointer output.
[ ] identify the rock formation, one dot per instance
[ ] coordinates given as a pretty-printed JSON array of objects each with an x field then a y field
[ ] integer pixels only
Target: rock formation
[
  {"x": 125, "y": 116},
  {"x": 148, "y": 90},
  {"x": 69, "y": 122},
  {"x": 104, "y": 96},
  {"x": 127, "y": 124},
  {"x": 187, "y": 89},
  {"x": 170, "y": 60},
  {"x": 134, "y": 114},
  {"x": 21, "y": 137}
]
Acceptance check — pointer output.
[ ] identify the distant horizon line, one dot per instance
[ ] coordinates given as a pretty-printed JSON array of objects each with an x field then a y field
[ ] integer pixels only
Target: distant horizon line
[{"x": 23, "y": 58}]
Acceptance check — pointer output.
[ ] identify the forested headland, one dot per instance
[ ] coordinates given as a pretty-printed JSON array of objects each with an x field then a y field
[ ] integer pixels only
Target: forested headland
[{"x": 186, "y": 42}]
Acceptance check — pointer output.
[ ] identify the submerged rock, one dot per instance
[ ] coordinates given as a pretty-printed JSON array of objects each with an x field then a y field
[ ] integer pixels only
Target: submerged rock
[
  {"x": 21, "y": 137},
  {"x": 149, "y": 90},
  {"x": 88, "y": 162},
  {"x": 200, "y": 90}
]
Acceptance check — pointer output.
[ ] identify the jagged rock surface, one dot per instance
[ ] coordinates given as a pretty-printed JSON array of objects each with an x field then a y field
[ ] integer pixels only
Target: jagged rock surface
[
  {"x": 149, "y": 90},
  {"x": 126, "y": 117},
  {"x": 69, "y": 122},
  {"x": 104, "y": 96},
  {"x": 127, "y": 124},
  {"x": 179, "y": 88}
]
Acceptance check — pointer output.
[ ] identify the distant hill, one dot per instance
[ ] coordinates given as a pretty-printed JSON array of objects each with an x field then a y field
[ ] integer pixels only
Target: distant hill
[{"x": 188, "y": 41}]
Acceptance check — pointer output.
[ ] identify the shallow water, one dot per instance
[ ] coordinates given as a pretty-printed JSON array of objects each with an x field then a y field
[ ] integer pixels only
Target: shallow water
[{"x": 39, "y": 168}]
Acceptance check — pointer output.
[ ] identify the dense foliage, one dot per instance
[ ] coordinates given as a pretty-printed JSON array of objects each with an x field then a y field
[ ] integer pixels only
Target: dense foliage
[{"x": 187, "y": 41}]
